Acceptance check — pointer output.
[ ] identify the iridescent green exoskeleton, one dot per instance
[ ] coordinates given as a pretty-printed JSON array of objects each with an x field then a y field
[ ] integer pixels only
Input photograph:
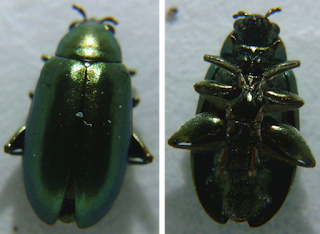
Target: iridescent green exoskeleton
[
  {"x": 244, "y": 139},
  {"x": 78, "y": 137}
]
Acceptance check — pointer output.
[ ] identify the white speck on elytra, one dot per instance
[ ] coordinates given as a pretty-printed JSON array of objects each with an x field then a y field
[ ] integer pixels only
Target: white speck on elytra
[
  {"x": 79, "y": 114},
  {"x": 88, "y": 124}
]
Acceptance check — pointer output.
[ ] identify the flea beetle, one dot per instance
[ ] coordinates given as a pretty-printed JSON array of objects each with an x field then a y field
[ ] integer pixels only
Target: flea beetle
[
  {"x": 244, "y": 140},
  {"x": 78, "y": 138}
]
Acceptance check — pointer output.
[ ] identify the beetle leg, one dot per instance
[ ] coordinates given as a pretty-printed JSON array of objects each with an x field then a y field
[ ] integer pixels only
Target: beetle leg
[
  {"x": 138, "y": 152},
  {"x": 31, "y": 94},
  {"x": 254, "y": 162},
  {"x": 16, "y": 144},
  {"x": 272, "y": 72},
  {"x": 293, "y": 149},
  {"x": 282, "y": 101},
  {"x": 223, "y": 162},
  {"x": 135, "y": 101},
  {"x": 231, "y": 122},
  {"x": 255, "y": 153},
  {"x": 204, "y": 132},
  {"x": 221, "y": 62},
  {"x": 257, "y": 124},
  {"x": 132, "y": 72},
  {"x": 45, "y": 58},
  {"x": 215, "y": 92}
]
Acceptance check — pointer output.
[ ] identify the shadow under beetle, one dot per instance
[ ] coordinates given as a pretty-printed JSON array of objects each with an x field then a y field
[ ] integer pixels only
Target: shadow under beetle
[
  {"x": 78, "y": 137},
  {"x": 244, "y": 141}
]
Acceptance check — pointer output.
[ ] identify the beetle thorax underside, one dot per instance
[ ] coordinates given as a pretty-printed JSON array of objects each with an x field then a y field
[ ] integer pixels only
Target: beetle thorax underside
[
  {"x": 249, "y": 104},
  {"x": 253, "y": 60}
]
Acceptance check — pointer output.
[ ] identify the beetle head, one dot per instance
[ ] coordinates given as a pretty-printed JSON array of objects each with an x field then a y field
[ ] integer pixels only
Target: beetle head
[
  {"x": 90, "y": 40},
  {"x": 256, "y": 29}
]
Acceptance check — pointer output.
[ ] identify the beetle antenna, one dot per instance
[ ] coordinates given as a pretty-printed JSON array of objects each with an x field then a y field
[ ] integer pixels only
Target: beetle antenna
[
  {"x": 240, "y": 14},
  {"x": 109, "y": 19},
  {"x": 80, "y": 10},
  {"x": 272, "y": 11}
]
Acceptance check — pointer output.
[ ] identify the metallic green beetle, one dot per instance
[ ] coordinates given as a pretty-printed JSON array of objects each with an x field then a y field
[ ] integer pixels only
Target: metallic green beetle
[
  {"x": 78, "y": 137},
  {"x": 244, "y": 141}
]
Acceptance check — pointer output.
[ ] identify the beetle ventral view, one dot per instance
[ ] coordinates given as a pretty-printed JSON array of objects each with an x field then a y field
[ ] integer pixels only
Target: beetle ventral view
[
  {"x": 244, "y": 140},
  {"x": 78, "y": 138}
]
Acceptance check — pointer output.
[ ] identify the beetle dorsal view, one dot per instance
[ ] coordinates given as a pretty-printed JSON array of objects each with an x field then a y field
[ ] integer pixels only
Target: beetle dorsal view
[
  {"x": 78, "y": 138},
  {"x": 244, "y": 140}
]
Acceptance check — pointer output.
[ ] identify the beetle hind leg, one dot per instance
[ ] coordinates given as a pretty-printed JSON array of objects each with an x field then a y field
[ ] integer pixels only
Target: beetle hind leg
[
  {"x": 16, "y": 144},
  {"x": 254, "y": 163},
  {"x": 138, "y": 152}
]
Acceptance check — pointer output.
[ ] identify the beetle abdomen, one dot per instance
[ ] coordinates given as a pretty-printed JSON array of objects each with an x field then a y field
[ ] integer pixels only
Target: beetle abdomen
[{"x": 243, "y": 197}]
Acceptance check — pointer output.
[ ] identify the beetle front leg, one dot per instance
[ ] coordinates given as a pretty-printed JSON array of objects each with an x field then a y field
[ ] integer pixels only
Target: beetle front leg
[
  {"x": 223, "y": 162},
  {"x": 45, "y": 58},
  {"x": 257, "y": 124},
  {"x": 16, "y": 144},
  {"x": 138, "y": 152},
  {"x": 135, "y": 101},
  {"x": 132, "y": 72}
]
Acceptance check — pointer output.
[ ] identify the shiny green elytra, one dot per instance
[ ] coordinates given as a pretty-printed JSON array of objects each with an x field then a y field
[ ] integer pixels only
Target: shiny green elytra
[
  {"x": 78, "y": 137},
  {"x": 244, "y": 140}
]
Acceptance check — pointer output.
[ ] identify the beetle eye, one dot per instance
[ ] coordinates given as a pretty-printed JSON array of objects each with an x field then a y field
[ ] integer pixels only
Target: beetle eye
[
  {"x": 74, "y": 24},
  {"x": 109, "y": 27},
  {"x": 238, "y": 24},
  {"x": 275, "y": 29}
]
